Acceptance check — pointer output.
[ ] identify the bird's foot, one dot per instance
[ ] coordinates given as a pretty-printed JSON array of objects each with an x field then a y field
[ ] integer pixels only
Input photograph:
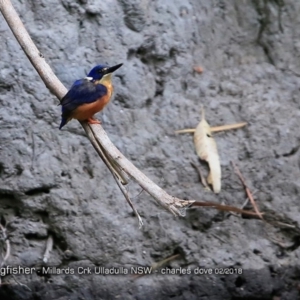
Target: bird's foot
[{"x": 93, "y": 121}]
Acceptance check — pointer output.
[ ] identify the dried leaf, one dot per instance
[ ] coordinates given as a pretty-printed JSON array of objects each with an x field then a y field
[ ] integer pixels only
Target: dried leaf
[
  {"x": 198, "y": 69},
  {"x": 206, "y": 149}
]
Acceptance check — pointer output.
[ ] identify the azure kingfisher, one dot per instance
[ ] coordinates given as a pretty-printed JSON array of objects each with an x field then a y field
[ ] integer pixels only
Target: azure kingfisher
[{"x": 88, "y": 96}]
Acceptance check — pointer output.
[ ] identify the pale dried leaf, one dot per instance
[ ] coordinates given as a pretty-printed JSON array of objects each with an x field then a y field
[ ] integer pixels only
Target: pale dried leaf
[
  {"x": 206, "y": 149},
  {"x": 198, "y": 69}
]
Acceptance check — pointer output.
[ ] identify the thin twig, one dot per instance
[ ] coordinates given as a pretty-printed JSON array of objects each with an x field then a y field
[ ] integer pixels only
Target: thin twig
[
  {"x": 187, "y": 130},
  {"x": 248, "y": 192},
  {"x": 139, "y": 194},
  {"x": 49, "y": 247},
  {"x": 201, "y": 177},
  {"x": 241, "y": 207},
  {"x": 285, "y": 225},
  {"x": 228, "y": 127},
  {"x": 215, "y": 128},
  {"x": 158, "y": 265},
  {"x": 111, "y": 165},
  {"x": 247, "y": 200},
  {"x": 219, "y": 238},
  {"x": 281, "y": 244},
  {"x": 117, "y": 175},
  {"x": 115, "y": 171},
  {"x": 126, "y": 195},
  {"x": 225, "y": 208}
]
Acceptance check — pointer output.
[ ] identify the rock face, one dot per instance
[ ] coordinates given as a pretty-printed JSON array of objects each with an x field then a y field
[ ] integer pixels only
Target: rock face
[{"x": 52, "y": 181}]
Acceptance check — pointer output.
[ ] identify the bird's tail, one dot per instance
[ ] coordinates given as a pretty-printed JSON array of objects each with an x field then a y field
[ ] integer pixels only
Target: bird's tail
[{"x": 63, "y": 122}]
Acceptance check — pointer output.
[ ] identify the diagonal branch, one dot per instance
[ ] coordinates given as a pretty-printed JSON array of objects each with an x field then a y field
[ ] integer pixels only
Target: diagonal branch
[
  {"x": 112, "y": 155},
  {"x": 111, "y": 165}
]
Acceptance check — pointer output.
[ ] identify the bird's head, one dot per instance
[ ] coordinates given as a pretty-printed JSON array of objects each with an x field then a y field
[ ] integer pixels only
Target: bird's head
[{"x": 102, "y": 73}]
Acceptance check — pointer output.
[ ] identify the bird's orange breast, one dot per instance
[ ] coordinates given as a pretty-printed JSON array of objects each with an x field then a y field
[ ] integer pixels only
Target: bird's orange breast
[{"x": 87, "y": 110}]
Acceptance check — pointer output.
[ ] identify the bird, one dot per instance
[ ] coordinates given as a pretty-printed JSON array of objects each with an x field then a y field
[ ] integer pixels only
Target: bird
[{"x": 88, "y": 95}]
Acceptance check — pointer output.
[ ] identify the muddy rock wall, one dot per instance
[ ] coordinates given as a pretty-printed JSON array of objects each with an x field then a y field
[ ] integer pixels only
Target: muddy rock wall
[{"x": 52, "y": 182}]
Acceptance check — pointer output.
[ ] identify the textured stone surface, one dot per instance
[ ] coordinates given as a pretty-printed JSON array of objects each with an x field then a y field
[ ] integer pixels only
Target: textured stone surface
[{"x": 53, "y": 182}]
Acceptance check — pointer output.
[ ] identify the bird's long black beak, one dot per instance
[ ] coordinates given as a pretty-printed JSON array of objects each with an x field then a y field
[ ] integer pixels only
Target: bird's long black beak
[{"x": 112, "y": 69}]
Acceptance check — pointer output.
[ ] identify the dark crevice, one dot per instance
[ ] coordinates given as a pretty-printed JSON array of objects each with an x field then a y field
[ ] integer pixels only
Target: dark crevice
[
  {"x": 219, "y": 217},
  {"x": 264, "y": 12},
  {"x": 148, "y": 102},
  {"x": 88, "y": 166},
  {"x": 89, "y": 171},
  {"x": 296, "y": 243},
  {"x": 64, "y": 174},
  {"x": 160, "y": 86},
  {"x": 172, "y": 53},
  {"x": 158, "y": 93},
  {"x": 292, "y": 152},
  {"x": 59, "y": 240},
  {"x": 264, "y": 17},
  {"x": 37, "y": 191},
  {"x": 131, "y": 54},
  {"x": 267, "y": 53},
  {"x": 2, "y": 221},
  {"x": 147, "y": 53},
  {"x": 264, "y": 20},
  {"x": 179, "y": 251},
  {"x": 2, "y": 168},
  {"x": 257, "y": 252},
  {"x": 5, "y": 87},
  {"x": 33, "y": 236},
  {"x": 121, "y": 77},
  {"x": 19, "y": 169},
  {"x": 44, "y": 216},
  {"x": 184, "y": 85},
  {"x": 7, "y": 195},
  {"x": 240, "y": 281},
  {"x": 123, "y": 100}
]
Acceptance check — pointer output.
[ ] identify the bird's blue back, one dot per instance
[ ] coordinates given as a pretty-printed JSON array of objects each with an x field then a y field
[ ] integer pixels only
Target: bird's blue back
[{"x": 82, "y": 91}]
